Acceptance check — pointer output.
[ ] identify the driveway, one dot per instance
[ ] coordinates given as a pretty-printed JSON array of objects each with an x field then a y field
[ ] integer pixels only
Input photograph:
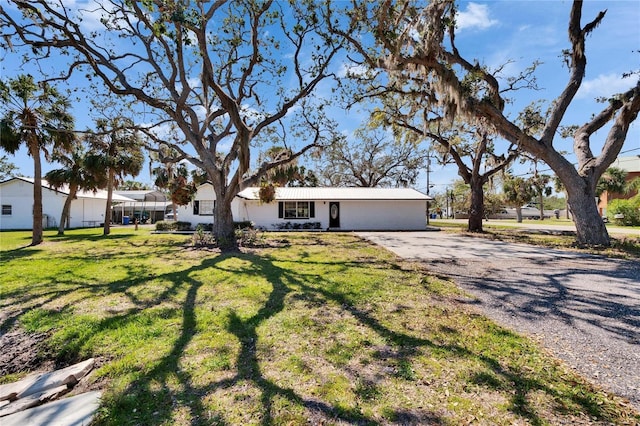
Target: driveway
[{"x": 584, "y": 308}]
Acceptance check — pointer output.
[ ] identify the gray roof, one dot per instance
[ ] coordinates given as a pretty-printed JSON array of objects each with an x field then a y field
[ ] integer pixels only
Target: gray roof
[
  {"x": 143, "y": 195},
  {"x": 336, "y": 194},
  {"x": 99, "y": 194},
  {"x": 628, "y": 164}
]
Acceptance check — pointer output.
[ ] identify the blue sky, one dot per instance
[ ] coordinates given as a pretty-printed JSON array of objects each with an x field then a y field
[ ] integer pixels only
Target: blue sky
[{"x": 495, "y": 32}]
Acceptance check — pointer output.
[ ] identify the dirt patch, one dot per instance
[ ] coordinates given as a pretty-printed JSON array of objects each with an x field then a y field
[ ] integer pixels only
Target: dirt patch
[{"x": 21, "y": 351}]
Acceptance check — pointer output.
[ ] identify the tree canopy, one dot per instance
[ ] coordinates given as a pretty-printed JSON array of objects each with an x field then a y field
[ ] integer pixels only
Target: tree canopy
[
  {"x": 406, "y": 42},
  {"x": 371, "y": 157},
  {"x": 220, "y": 77},
  {"x": 7, "y": 168}
]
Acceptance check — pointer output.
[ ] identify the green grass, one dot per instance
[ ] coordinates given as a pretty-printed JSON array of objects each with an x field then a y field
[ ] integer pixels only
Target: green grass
[{"x": 317, "y": 328}]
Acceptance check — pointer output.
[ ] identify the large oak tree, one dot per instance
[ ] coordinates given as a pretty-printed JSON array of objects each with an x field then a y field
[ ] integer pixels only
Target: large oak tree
[
  {"x": 224, "y": 75},
  {"x": 405, "y": 39},
  {"x": 371, "y": 158}
]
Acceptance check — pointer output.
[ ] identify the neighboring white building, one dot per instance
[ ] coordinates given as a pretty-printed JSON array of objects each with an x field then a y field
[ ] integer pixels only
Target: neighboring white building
[
  {"x": 16, "y": 197},
  {"x": 346, "y": 209}
]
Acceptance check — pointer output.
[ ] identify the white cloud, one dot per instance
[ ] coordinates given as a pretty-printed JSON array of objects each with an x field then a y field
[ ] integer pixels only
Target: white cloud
[
  {"x": 87, "y": 13},
  {"x": 475, "y": 16},
  {"x": 347, "y": 70},
  {"x": 604, "y": 85}
]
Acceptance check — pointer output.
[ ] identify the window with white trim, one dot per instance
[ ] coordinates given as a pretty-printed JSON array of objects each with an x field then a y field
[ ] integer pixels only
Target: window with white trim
[
  {"x": 296, "y": 209},
  {"x": 203, "y": 207},
  {"x": 6, "y": 210}
]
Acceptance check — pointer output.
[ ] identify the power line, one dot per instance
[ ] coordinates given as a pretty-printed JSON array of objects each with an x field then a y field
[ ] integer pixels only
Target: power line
[{"x": 574, "y": 164}]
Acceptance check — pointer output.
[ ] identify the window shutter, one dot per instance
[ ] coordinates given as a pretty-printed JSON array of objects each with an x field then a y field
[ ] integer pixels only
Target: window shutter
[
  {"x": 196, "y": 207},
  {"x": 312, "y": 209},
  {"x": 280, "y": 209}
]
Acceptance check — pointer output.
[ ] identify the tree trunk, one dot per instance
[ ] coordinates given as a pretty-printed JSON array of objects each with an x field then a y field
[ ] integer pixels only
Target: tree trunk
[
  {"x": 590, "y": 227},
  {"x": 519, "y": 214},
  {"x": 34, "y": 150},
  {"x": 107, "y": 212},
  {"x": 65, "y": 217},
  {"x": 476, "y": 211},
  {"x": 223, "y": 230}
]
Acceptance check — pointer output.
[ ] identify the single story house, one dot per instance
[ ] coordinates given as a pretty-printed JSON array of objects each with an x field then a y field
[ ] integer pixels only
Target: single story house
[
  {"x": 16, "y": 197},
  {"x": 345, "y": 209}
]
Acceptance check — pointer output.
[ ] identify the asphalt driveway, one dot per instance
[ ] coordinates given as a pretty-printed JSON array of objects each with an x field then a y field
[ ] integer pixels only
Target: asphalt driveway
[{"x": 585, "y": 309}]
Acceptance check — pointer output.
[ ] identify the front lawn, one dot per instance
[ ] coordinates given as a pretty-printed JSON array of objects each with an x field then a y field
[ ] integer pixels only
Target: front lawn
[{"x": 317, "y": 328}]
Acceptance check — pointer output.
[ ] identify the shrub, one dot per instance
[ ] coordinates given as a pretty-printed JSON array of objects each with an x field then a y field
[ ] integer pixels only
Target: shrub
[
  {"x": 628, "y": 212},
  {"x": 202, "y": 237},
  {"x": 205, "y": 227},
  {"x": 297, "y": 225},
  {"x": 170, "y": 225},
  {"x": 183, "y": 226},
  {"x": 243, "y": 224},
  {"x": 165, "y": 225},
  {"x": 250, "y": 237}
]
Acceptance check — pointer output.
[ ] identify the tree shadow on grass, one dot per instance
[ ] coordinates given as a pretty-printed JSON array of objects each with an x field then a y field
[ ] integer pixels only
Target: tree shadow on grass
[
  {"x": 169, "y": 393},
  {"x": 247, "y": 365},
  {"x": 248, "y": 368}
]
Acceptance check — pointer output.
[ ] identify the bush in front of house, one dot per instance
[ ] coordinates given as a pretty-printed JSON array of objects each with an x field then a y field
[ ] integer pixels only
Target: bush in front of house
[
  {"x": 208, "y": 227},
  {"x": 165, "y": 225},
  {"x": 283, "y": 226},
  {"x": 202, "y": 237},
  {"x": 170, "y": 225},
  {"x": 183, "y": 226},
  {"x": 625, "y": 212},
  {"x": 243, "y": 224}
]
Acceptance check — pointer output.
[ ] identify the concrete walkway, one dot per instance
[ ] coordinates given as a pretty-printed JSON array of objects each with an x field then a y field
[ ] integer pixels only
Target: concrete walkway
[{"x": 584, "y": 308}]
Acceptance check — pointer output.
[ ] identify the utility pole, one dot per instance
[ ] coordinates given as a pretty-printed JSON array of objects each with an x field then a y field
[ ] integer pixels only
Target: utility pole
[
  {"x": 428, "y": 184},
  {"x": 446, "y": 198}
]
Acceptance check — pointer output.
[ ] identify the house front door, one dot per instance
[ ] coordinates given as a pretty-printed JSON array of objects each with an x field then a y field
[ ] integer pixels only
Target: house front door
[{"x": 334, "y": 215}]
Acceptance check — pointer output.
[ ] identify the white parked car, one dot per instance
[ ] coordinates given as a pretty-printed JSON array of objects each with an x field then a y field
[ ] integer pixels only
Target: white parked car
[
  {"x": 527, "y": 211},
  {"x": 169, "y": 216}
]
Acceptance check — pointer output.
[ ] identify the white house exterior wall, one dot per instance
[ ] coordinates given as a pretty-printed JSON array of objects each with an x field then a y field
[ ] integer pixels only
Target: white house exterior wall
[
  {"x": 85, "y": 212},
  {"x": 354, "y": 214},
  {"x": 397, "y": 215},
  {"x": 205, "y": 192},
  {"x": 19, "y": 194},
  {"x": 387, "y": 210}
]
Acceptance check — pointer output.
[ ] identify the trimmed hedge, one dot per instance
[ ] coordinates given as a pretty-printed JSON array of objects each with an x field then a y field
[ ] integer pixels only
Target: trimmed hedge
[
  {"x": 243, "y": 224},
  {"x": 297, "y": 225},
  {"x": 170, "y": 225}
]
